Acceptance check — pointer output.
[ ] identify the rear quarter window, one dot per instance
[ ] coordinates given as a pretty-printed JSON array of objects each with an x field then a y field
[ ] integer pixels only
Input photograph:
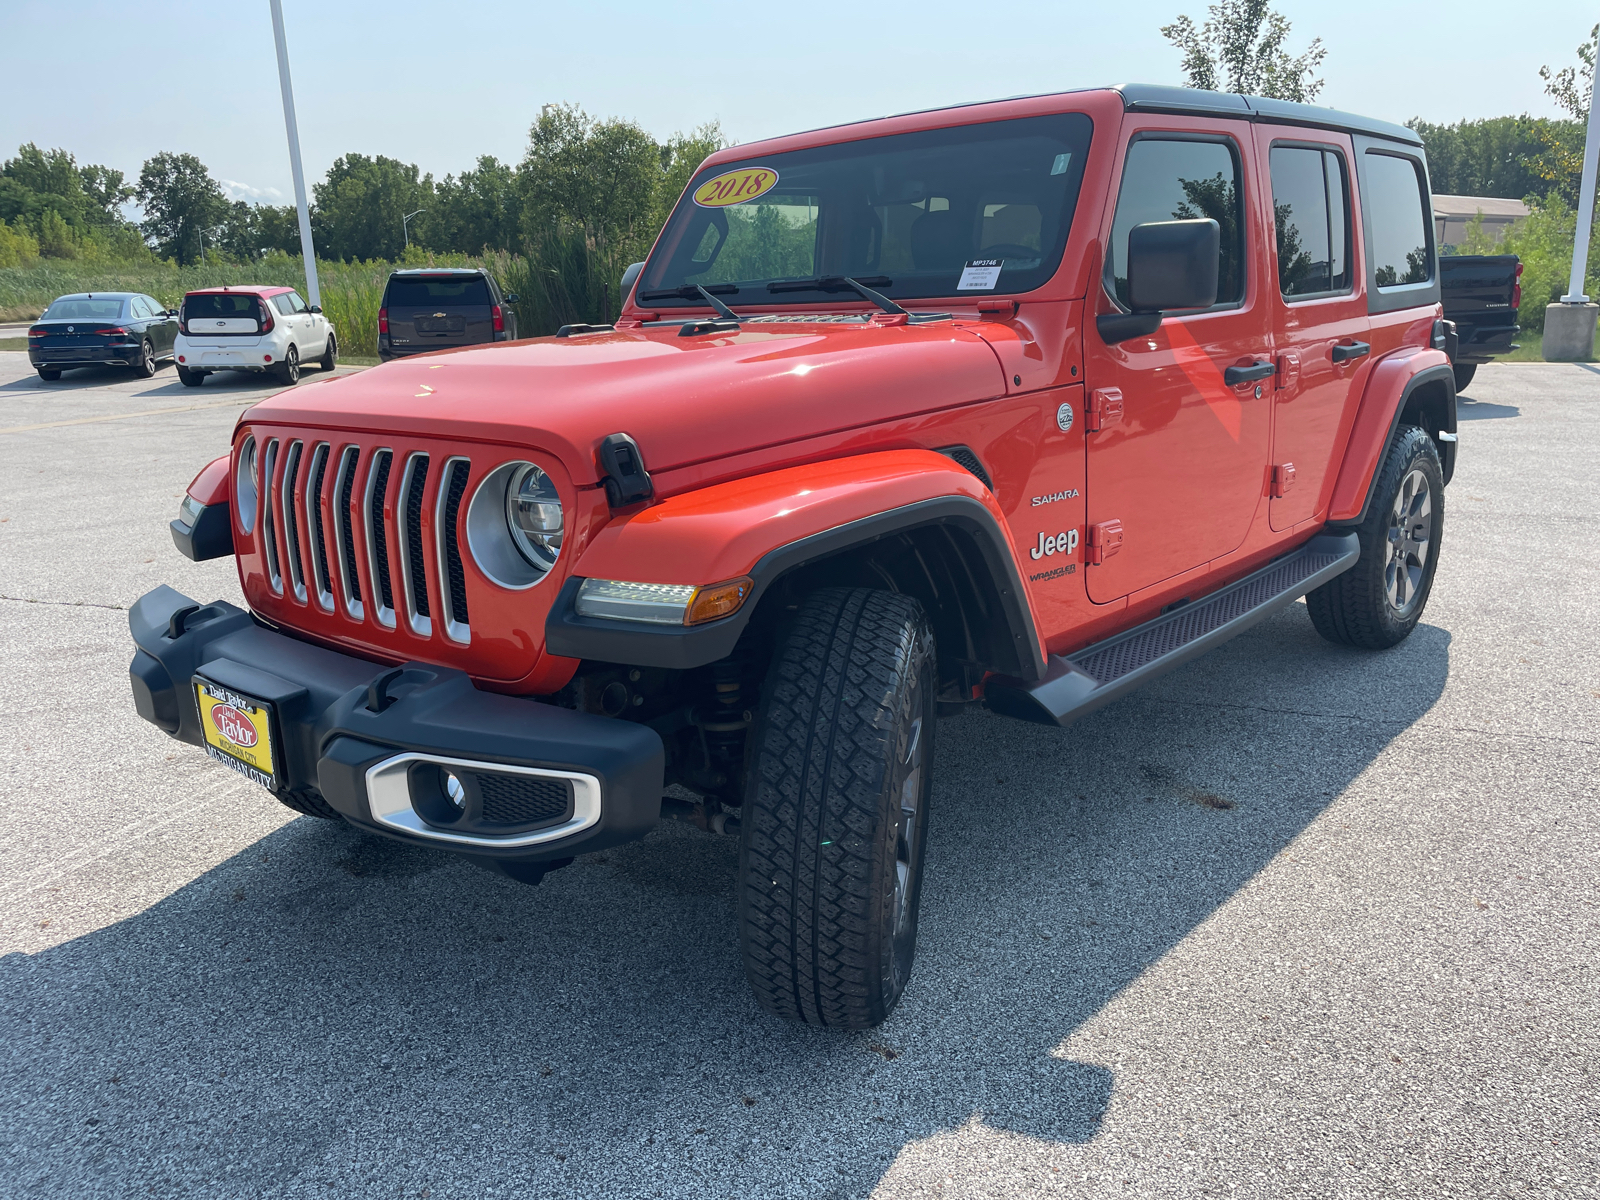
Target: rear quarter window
[
  {"x": 1398, "y": 235},
  {"x": 444, "y": 292}
]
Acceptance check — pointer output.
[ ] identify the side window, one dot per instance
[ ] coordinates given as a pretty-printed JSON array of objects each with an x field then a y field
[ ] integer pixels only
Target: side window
[
  {"x": 1172, "y": 180},
  {"x": 281, "y": 303},
  {"x": 1399, "y": 234},
  {"x": 295, "y": 303},
  {"x": 137, "y": 308},
  {"x": 1309, "y": 205}
]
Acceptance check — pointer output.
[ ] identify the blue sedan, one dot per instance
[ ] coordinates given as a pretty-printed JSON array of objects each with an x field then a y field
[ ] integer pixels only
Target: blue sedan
[{"x": 118, "y": 329}]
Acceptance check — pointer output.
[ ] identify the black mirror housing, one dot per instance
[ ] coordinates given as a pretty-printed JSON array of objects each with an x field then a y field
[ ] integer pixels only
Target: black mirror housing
[
  {"x": 511, "y": 297},
  {"x": 1173, "y": 265},
  {"x": 628, "y": 278},
  {"x": 316, "y": 308}
]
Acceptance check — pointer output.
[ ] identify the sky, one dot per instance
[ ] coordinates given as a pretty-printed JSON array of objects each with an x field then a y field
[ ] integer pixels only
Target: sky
[{"x": 441, "y": 83}]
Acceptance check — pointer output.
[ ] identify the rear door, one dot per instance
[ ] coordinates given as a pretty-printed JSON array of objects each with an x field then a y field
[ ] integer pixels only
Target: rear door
[
  {"x": 430, "y": 312},
  {"x": 1176, "y": 454},
  {"x": 1319, "y": 315}
]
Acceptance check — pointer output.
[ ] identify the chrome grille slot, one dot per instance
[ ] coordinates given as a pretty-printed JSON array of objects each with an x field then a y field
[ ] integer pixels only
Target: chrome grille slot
[
  {"x": 378, "y": 535},
  {"x": 315, "y": 526},
  {"x": 291, "y": 523},
  {"x": 269, "y": 505},
  {"x": 453, "y": 591},
  {"x": 349, "y": 580},
  {"x": 414, "y": 574}
]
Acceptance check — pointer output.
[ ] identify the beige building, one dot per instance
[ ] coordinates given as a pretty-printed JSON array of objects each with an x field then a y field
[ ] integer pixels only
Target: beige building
[{"x": 1451, "y": 215}]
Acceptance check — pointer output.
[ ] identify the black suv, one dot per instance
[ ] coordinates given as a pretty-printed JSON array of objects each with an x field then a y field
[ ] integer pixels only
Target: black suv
[{"x": 434, "y": 308}]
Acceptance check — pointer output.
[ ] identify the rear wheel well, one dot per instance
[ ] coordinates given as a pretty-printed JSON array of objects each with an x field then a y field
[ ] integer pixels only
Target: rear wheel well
[{"x": 1431, "y": 407}]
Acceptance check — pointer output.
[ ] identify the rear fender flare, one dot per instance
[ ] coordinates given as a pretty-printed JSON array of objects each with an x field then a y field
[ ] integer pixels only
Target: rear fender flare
[
  {"x": 1403, "y": 382},
  {"x": 768, "y": 525}
]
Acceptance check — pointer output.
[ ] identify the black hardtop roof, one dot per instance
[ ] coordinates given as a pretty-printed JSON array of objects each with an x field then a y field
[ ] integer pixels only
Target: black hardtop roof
[
  {"x": 1155, "y": 97},
  {"x": 1151, "y": 97}
]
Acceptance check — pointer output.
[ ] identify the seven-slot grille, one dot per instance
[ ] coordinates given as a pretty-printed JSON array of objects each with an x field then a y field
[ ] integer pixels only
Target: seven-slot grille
[{"x": 327, "y": 505}]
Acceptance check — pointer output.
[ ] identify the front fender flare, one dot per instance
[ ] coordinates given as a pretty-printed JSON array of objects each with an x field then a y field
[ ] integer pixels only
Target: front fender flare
[{"x": 767, "y": 525}]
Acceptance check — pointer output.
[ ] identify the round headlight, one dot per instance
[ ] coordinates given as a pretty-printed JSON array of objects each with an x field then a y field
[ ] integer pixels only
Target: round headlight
[
  {"x": 533, "y": 515},
  {"x": 246, "y": 485}
]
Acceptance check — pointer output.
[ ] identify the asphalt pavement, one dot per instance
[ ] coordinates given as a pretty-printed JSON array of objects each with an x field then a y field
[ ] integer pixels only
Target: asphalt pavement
[{"x": 1294, "y": 921}]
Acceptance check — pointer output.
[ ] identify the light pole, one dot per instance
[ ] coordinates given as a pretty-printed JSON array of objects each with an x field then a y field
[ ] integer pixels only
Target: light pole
[
  {"x": 405, "y": 223},
  {"x": 1569, "y": 325},
  {"x": 307, "y": 250}
]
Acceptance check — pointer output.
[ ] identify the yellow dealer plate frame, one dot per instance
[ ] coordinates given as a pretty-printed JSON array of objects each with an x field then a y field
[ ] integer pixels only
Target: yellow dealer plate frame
[
  {"x": 735, "y": 187},
  {"x": 229, "y": 721}
]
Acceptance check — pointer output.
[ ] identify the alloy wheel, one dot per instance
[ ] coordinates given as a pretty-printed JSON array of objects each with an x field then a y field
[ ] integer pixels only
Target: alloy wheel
[{"x": 1410, "y": 538}]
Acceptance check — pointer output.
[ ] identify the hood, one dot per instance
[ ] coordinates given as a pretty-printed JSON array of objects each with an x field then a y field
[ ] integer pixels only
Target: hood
[{"x": 683, "y": 399}]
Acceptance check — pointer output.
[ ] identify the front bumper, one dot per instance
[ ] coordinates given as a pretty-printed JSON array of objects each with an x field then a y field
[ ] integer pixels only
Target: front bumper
[{"x": 365, "y": 736}]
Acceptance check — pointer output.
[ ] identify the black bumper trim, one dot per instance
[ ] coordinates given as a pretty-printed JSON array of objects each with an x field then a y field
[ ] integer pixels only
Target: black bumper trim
[{"x": 331, "y": 738}]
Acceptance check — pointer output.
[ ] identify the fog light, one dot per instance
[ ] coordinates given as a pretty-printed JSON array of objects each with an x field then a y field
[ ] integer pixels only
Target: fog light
[{"x": 453, "y": 789}]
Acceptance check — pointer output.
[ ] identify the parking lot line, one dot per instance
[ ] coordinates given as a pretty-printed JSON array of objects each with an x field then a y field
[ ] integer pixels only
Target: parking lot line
[{"x": 148, "y": 412}]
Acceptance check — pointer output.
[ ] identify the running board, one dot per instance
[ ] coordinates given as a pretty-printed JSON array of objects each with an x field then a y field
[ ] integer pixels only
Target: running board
[{"x": 1108, "y": 670}]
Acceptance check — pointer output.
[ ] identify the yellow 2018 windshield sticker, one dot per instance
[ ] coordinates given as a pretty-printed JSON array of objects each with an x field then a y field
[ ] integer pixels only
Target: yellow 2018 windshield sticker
[{"x": 735, "y": 187}]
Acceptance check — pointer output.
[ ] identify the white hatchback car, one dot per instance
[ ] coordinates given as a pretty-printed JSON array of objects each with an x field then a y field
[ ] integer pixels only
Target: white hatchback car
[{"x": 251, "y": 329}]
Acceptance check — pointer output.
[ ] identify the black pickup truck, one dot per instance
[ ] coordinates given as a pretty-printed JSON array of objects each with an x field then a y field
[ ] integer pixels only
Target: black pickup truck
[{"x": 1481, "y": 293}]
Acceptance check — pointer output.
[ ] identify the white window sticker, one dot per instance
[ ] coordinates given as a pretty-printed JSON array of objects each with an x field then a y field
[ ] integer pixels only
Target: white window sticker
[
  {"x": 980, "y": 275},
  {"x": 1062, "y": 162}
]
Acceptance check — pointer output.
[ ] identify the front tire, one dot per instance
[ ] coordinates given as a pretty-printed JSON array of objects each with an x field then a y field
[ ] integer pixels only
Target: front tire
[
  {"x": 288, "y": 371},
  {"x": 1378, "y": 602},
  {"x": 835, "y": 817},
  {"x": 330, "y": 355},
  {"x": 1464, "y": 373}
]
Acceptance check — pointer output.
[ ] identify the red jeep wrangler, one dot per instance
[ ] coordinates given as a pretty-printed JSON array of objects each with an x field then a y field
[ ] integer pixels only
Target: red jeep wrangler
[{"x": 1018, "y": 404}]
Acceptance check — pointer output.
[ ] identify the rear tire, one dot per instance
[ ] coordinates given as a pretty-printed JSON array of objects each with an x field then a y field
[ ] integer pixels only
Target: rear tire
[
  {"x": 835, "y": 816},
  {"x": 49, "y": 376},
  {"x": 190, "y": 378},
  {"x": 309, "y": 803},
  {"x": 330, "y": 355},
  {"x": 1378, "y": 602},
  {"x": 288, "y": 371},
  {"x": 1464, "y": 373},
  {"x": 145, "y": 365}
]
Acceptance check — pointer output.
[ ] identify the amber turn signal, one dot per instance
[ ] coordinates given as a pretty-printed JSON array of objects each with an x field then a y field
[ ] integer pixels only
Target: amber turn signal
[{"x": 717, "y": 600}]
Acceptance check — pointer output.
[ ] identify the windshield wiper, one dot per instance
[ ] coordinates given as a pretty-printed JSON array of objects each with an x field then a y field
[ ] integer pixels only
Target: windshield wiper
[
  {"x": 840, "y": 283},
  {"x": 694, "y": 291}
]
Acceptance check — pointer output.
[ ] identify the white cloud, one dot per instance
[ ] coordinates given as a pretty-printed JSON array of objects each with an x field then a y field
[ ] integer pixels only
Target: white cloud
[{"x": 244, "y": 191}]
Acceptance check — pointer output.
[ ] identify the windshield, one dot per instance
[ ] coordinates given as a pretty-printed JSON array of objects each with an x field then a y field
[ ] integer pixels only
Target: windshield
[
  {"x": 84, "y": 310},
  {"x": 438, "y": 290},
  {"x": 978, "y": 209}
]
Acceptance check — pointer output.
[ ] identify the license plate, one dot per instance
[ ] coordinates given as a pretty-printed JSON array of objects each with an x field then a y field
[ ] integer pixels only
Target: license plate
[{"x": 238, "y": 731}]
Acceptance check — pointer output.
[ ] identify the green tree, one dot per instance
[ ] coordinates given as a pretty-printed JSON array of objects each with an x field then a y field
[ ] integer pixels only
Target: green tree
[
  {"x": 681, "y": 156},
  {"x": 361, "y": 205},
  {"x": 39, "y": 184},
  {"x": 1244, "y": 41},
  {"x": 1560, "y": 162},
  {"x": 595, "y": 178},
  {"x": 183, "y": 205},
  {"x": 477, "y": 210},
  {"x": 1492, "y": 157}
]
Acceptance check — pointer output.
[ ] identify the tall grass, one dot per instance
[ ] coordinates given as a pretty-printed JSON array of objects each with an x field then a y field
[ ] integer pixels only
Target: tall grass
[{"x": 564, "y": 281}]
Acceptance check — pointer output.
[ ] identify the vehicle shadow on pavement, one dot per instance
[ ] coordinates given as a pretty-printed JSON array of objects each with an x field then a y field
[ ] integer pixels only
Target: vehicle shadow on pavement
[
  {"x": 1468, "y": 409},
  {"x": 331, "y": 1014}
]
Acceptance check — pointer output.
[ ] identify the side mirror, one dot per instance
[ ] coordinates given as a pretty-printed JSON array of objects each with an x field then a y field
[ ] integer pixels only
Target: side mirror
[
  {"x": 316, "y": 308},
  {"x": 1172, "y": 266},
  {"x": 629, "y": 278},
  {"x": 171, "y": 312},
  {"x": 511, "y": 297}
]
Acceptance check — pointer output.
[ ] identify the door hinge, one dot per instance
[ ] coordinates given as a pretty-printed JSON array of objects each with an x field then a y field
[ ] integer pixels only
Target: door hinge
[
  {"x": 1282, "y": 479},
  {"x": 1105, "y": 409},
  {"x": 1288, "y": 370},
  {"x": 1105, "y": 539}
]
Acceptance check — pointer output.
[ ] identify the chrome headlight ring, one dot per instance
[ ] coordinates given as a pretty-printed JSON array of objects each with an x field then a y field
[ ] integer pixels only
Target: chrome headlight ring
[{"x": 516, "y": 524}]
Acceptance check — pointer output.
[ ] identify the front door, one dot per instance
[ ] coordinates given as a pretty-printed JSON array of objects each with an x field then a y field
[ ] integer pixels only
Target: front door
[
  {"x": 1320, "y": 316},
  {"x": 1180, "y": 471}
]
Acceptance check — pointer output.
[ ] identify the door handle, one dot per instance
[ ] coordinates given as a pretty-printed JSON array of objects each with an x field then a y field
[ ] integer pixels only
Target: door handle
[
  {"x": 1343, "y": 353},
  {"x": 1260, "y": 369}
]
